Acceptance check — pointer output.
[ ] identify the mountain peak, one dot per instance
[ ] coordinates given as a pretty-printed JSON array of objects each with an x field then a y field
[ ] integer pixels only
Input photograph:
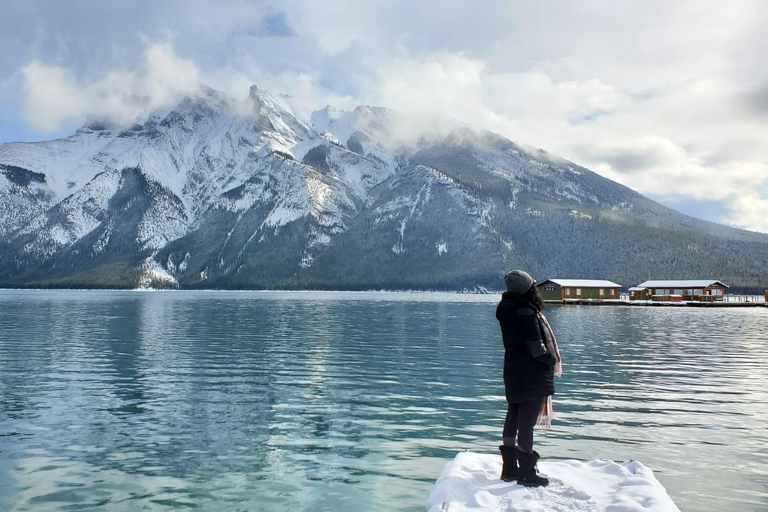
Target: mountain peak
[{"x": 256, "y": 93}]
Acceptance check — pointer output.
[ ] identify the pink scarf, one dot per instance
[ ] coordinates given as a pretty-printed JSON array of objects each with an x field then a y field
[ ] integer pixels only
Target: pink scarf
[{"x": 546, "y": 413}]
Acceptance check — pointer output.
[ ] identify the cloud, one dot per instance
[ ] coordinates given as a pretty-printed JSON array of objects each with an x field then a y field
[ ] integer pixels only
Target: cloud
[
  {"x": 632, "y": 155},
  {"x": 54, "y": 96},
  {"x": 728, "y": 192},
  {"x": 749, "y": 211},
  {"x": 469, "y": 90},
  {"x": 445, "y": 84}
]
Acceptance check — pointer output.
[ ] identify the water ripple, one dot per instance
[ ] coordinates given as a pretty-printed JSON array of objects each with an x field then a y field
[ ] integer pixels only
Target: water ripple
[{"x": 323, "y": 401}]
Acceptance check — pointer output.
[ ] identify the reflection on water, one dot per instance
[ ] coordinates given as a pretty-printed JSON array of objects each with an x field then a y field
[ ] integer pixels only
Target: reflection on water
[{"x": 326, "y": 401}]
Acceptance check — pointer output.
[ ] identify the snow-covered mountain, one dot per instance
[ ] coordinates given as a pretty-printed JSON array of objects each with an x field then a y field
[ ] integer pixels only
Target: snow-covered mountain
[{"x": 266, "y": 193}]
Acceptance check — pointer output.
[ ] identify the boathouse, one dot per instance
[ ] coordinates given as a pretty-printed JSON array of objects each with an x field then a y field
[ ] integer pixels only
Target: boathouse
[
  {"x": 562, "y": 289},
  {"x": 694, "y": 290}
]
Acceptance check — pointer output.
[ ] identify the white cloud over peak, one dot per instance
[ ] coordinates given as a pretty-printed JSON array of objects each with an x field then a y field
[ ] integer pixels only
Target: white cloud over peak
[{"x": 54, "y": 96}]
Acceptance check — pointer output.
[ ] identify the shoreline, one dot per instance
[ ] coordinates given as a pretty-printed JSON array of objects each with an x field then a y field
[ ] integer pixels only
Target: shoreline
[
  {"x": 647, "y": 303},
  {"x": 458, "y": 293}
]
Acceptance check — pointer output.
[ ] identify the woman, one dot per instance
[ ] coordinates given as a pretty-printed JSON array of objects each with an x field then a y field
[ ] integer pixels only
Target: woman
[{"x": 530, "y": 361}]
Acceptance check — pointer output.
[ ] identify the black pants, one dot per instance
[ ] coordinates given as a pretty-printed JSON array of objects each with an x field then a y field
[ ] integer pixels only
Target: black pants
[{"x": 521, "y": 418}]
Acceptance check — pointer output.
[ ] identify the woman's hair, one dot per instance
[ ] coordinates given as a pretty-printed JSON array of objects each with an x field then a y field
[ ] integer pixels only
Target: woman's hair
[{"x": 533, "y": 295}]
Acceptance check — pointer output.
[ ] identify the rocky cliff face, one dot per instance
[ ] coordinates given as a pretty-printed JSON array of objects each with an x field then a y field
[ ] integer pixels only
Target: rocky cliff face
[{"x": 260, "y": 194}]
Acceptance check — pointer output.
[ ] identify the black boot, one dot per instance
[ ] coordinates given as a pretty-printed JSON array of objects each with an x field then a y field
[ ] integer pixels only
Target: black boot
[
  {"x": 528, "y": 476},
  {"x": 509, "y": 470}
]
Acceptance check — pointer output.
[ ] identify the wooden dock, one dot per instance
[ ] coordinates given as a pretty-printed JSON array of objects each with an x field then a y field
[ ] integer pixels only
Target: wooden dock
[{"x": 643, "y": 303}]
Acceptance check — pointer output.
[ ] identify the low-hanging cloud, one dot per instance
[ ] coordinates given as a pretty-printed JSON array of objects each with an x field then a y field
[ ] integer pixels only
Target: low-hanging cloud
[
  {"x": 54, "y": 96},
  {"x": 522, "y": 105},
  {"x": 635, "y": 155}
]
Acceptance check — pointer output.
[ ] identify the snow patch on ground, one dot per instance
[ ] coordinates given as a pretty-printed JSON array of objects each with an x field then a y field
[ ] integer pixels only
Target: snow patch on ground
[
  {"x": 579, "y": 215},
  {"x": 470, "y": 483},
  {"x": 283, "y": 214},
  {"x": 155, "y": 276}
]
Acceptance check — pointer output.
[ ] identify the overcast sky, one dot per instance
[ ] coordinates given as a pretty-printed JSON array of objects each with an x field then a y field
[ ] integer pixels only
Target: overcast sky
[{"x": 667, "y": 97}]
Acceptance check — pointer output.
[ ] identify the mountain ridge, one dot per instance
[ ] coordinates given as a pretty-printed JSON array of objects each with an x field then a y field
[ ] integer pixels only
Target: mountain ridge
[{"x": 216, "y": 193}]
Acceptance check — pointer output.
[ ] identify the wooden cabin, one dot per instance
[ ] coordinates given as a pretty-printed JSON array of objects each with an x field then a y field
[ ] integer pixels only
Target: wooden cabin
[
  {"x": 670, "y": 290},
  {"x": 562, "y": 289}
]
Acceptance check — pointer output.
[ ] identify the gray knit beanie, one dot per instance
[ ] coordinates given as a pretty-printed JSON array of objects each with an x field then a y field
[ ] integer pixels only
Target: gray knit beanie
[{"x": 518, "y": 281}]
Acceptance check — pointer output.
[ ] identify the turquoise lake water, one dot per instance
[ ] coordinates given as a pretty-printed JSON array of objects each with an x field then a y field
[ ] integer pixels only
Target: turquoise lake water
[{"x": 304, "y": 401}]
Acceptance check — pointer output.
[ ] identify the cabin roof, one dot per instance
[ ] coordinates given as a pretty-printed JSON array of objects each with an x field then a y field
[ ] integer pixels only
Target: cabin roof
[
  {"x": 636, "y": 289},
  {"x": 583, "y": 283},
  {"x": 699, "y": 283}
]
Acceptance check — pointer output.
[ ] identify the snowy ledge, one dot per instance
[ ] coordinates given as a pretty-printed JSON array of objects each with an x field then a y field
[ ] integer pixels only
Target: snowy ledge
[{"x": 470, "y": 483}]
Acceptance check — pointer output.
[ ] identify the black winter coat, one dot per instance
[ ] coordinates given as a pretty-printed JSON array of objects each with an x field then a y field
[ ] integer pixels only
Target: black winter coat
[{"x": 528, "y": 365}]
